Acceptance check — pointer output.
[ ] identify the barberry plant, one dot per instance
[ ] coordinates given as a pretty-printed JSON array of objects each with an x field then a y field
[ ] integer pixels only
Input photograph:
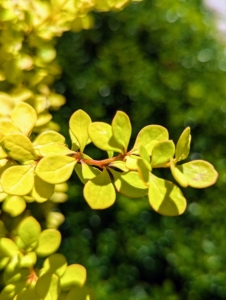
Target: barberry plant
[{"x": 32, "y": 167}]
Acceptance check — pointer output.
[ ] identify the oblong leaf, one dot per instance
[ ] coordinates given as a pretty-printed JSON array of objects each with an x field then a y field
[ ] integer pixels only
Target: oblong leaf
[
  {"x": 48, "y": 242},
  {"x": 18, "y": 180},
  {"x": 42, "y": 190},
  {"x": 99, "y": 192},
  {"x": 178, "y": 175},
  {"x": 121, "y": 128},
  {"x": 19, "y": 147},
  {"x": 7, "y": 127},
  {"x": 129, "y": 184},
  {"x": 24, "y": 117},
  {"x": 48, "y": 137},
  {"x": 48, "y": 287},
  {"x": 101, "y": 135},
  {"x": 86, "y": 172},
  {"x": 14, "y": 205},
  {"x": 55, "y": 264},
  {"x": 75, "y": 274},
  {"x": 165, "y": 197},
  {"x": 56, "y": 168},
  {"x": 29, "y": 230},
  {"x": 81, "y": 293},
  {"x": 54, "y": 149},
  {"x": 78, "y": 124},
  {"x": 149, "y": 136},
  {"x": 183, "y": 145},
  {"x": 199, "y": 173},
  {"x": 162, "y": 153},
  {"x": 8, "y": 247}
]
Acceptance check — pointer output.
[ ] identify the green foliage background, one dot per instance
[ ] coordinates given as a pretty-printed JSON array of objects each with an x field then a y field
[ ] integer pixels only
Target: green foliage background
[{"x": 160, "y": 62}]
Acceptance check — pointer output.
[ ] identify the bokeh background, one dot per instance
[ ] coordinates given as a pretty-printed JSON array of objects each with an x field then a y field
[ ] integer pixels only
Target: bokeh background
[{"x": 162, "y": 62}]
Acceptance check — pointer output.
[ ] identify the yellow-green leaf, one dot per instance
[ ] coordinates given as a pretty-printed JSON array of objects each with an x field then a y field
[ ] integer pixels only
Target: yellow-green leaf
[
  {"x": 48, "y": 287},
  {"x": 49, "y": 241},
  {"x": 24, "y": 117},
  {"x": 165, "y": 197},
  {"x": 42, "y": 190},
  {"x": 19, "y": 147},
  {"x": 56, "y": 168},
  {"x": 78, "y": 124},
  {"x": 143, "y": 171},
  {"x": 7, "y": 127},
  {"x": 48, "y": 137},
  {"x": 14, "y": 205},
  {"x": 28, "y": 260},
  {"x": 162, "y": 153},
  {"x": 183, "y": 145},
  {"x": 148, "y": 137},
  {"x": 75, "y": 275},
  {"x": 74, "y": 141},
  {"x": 131, "y": 162},
  {"x": 86, "y": 172},
  {"x": 18, "y": 180},
  {"x": 81, "y": 293},
  {"x": 145, "y": 157},
  {"x": 54, "y": 149},
  {"x": 29, "y": 230},
  {"x": 178, "y": 175},
  {"x": 129, "y": 184},
  {"x": 101, "y": 135},
  {"x": 119, "y": 164},
  {"x": 8, "y": 247},
  {"x": 55, "y": 264},
  {"x": 28, "y": 294},
  {"x": 121, "y": 128},
  {"x": 199, "y": 173},
  {"x": 99, "y": 192}
]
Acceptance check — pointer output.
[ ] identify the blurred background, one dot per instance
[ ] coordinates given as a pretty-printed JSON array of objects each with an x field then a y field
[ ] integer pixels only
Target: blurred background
[{"x": 162, "y": 62}]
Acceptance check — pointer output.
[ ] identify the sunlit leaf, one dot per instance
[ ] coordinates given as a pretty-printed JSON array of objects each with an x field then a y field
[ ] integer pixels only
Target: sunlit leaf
[
  {"x": 81, "y": 293},
  {"x": 7, "y": 127},
  {"x": 29, "y": 230},
  {"x": 131, "y": 162},
  {"x": 54, "y": 149},
  {"x": 74, "y": 275},
  {"x": 48, "y": 137},
  {"x": 79, "y": 123},
  {"x": 165, "y": 197},
  {"x": 121, "y": 128},
  {"x": 8, "y": 247},
  {"x": 19, "y": 147},
  {"x": 14, "y": 205},
  {"x": 162, "y": 153},
  {"x": 49, "y": 241},
  {"x": 121, "y": 165},
  {"x": 178, "y": 175},
  {"x": 199, "y": 173},
  {"x": 42, "y": 190},
  {"x": 55, "y": 264},
  {"x": 148, "y": 137},
  {"x": 143, "y": 171},
  {"x": 28, "y": 260},
  {"x": 24, "y": 117},
  {"x": 183, "y": 145},
  {"x": 101, "y": 135},
  {"x": 145, "y": 157},
  {"x": 28, "y": 294},
  {"x": 86, "y": 172},
  {"x": 56, "y": 168},
  {"x": 99, "y": 192},
  {"x": 48, "y": 287},
  {"x": 75, "y": 144},
  {"x": 18, "y": 180},
  {"x": 129, "y": 184}
]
